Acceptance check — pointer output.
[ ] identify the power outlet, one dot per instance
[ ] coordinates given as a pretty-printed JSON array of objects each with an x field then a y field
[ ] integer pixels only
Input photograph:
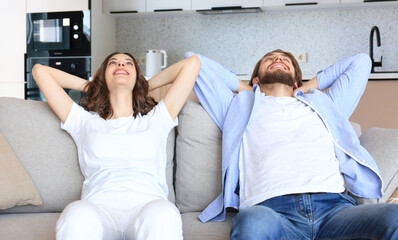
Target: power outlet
[
  {"x": 140, "y": 60},
  {"x": 301, "y": 57}
]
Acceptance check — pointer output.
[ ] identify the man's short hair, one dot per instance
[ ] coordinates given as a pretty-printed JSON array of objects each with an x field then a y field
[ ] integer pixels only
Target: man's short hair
[{"x": 297, "y": 71}]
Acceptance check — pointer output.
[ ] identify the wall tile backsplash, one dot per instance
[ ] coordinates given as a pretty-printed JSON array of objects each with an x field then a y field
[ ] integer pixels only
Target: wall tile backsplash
[{"x": 238, "y": 41}]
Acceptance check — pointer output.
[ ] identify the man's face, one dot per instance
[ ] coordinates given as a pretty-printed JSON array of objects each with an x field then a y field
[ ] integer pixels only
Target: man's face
[{"x": 276, "y": 68}]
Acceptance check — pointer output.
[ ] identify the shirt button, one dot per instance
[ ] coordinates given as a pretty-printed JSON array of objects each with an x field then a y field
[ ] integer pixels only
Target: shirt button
[{"x": 337, "y": 140}]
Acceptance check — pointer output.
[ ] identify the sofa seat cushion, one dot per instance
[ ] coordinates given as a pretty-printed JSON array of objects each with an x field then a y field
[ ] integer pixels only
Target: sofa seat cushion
[
  {"x": 24, "y": 226},
  {"x": 194, "y": 229}
]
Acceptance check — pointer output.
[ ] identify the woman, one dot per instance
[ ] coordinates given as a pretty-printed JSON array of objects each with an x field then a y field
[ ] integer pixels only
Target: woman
[{"x": 121, "y": 135}]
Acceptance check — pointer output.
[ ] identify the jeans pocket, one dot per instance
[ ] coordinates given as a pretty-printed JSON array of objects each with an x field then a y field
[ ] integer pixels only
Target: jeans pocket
[{"x": 348, "y": 198}]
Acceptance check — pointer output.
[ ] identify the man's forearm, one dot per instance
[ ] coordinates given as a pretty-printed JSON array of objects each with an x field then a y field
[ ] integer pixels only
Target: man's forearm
[
  {"x": 244, "y": 86},
  {"x": 311, "y": 84},
  {"x": 328, "y": 76}
]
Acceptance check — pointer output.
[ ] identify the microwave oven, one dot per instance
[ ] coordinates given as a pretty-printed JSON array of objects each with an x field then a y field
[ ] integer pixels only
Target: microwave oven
[{"x": 58, "y": 34}]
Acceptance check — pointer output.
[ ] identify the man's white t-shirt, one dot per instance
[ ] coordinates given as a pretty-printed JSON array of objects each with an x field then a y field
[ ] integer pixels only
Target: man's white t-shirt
[
  {"x": 286, "y": 149},
  {"x": 126, "y": 154}
]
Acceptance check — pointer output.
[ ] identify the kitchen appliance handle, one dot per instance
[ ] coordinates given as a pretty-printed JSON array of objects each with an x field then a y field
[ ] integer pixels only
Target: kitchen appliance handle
[
  {"x": 164, "y": 58},
  {"x": 30, "y": 29}
]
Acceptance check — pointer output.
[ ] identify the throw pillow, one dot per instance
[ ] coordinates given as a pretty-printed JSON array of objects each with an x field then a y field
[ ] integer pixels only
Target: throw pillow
[{"x": 16, "y": 187}]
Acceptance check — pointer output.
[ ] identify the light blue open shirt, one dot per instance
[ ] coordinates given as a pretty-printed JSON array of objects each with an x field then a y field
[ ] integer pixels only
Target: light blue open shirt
[{"x": 346, "y": 81}]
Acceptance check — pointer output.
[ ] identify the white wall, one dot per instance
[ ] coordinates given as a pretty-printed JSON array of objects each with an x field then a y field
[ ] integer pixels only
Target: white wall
[
  {"x": 103, "y": 41},
  {"x": 12, "y": 48}
]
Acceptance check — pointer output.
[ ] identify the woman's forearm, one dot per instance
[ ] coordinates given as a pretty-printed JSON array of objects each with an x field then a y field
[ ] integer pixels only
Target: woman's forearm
[
  {"x": 65, "y": 80},
  {"x": 166, "y": 76}
]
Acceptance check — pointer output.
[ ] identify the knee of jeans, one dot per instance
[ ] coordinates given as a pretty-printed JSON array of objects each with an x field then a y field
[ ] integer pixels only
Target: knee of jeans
[
  {"x": 79, "y": 214},
  {"x": 389, "y": 217},
  {"x": 255, "y": 215}
]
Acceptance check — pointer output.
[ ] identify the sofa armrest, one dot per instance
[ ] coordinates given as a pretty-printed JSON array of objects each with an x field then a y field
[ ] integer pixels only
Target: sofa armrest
[{"x": 382, "y": 144}]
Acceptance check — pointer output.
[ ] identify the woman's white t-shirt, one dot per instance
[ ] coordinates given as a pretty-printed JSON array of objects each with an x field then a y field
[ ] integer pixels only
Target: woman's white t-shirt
[{"x": 124, "y": 154}]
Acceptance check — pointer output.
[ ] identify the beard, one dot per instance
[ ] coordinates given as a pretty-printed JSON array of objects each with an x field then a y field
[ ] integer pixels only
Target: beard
[{"x": 277, "y": 76}]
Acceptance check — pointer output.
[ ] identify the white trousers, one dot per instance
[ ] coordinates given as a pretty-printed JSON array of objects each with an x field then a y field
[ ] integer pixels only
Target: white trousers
[{"x": 120, "y": 215}]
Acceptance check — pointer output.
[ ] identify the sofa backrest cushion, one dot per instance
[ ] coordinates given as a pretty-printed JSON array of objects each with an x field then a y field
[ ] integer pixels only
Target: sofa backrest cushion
[
  {"x": 198, "y": 159},
  {"x": 48, "y": 153}
]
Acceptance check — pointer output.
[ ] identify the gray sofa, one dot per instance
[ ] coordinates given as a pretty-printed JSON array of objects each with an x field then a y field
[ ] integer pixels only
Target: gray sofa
[{"x": 49, "y": 156}]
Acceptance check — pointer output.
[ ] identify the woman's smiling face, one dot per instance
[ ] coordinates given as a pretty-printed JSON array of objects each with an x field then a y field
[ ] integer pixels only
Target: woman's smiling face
[{"x": 120, "y": 71}]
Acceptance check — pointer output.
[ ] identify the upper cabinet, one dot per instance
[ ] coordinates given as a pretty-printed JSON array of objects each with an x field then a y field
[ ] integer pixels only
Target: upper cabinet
[
  {"x": 166, "y": 6},
  {"x": 208, "y": 4},
  {"x": 33, "y": 6},
  {"x": 272, "y": 3},
  {"x": 123, "y": 6},
  {"x": 13, "y": 49},
  {"x": 372, "y": 2}
]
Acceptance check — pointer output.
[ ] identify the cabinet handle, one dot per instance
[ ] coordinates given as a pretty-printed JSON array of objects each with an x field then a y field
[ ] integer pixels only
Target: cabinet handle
[
  {"x": 226, "y": 8},
  {"x": 379, "y": 1},
  {"x": 168, "y": 10},
  {"x": 300, "y": 4},
  {"x": 121, "y": 12}
]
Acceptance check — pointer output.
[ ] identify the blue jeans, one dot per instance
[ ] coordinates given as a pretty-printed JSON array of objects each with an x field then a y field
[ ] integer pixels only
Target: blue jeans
[{"x": 316, "y": 216}]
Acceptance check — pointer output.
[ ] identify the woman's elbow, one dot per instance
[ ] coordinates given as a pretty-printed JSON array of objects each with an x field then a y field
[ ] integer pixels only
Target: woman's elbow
[
  {"x": 37, "y": 67},
  {"x": 37, "y": 70}
]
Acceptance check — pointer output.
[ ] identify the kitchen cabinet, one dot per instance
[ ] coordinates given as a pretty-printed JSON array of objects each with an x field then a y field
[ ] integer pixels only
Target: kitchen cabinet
[
  {"x": 351, "y": 1},
  {"x": 56, "y": 6},
  {"x": 378, "y": 105},
  {"x": 208, "y": 4},
  {"x": 372, "y": 3},
  {"x": 172, "y": 5},
  {"x": 12, "y": 89},
  {"x": 13, "y": 48},
  {"x": 124, "y": 6},
  {"x": 275, "y": 3}
]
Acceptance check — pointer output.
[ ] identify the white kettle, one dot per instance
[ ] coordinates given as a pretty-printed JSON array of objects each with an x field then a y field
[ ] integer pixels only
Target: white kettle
[{"x": 153, "y": 62}]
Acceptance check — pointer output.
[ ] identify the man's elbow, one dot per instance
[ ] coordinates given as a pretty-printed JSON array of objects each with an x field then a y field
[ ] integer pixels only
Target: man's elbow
[
  {"x": 366, "y": 61},
  {"x": 194, "y": 61}
]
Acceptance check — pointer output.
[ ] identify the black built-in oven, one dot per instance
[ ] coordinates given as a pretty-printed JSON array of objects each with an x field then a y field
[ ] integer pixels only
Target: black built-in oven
[
  {"x": 61, "y": 40},
  {"x": 76, "y": 65}
]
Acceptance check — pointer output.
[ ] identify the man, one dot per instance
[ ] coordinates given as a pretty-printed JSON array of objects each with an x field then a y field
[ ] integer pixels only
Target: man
[{"x": 290, "y": 154}]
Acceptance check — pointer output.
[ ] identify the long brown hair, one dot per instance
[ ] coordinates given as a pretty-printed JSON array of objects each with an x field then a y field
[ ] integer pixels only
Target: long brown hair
[
  {"x": 297, "y": 71},
  {"x": 97, "y": 92}
]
